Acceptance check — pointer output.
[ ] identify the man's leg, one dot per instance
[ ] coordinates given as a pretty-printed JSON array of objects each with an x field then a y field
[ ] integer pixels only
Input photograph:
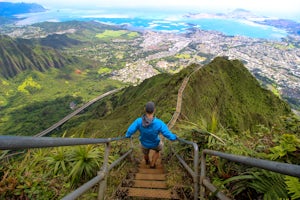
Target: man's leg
[
  {"x": 155, "y": 156},
  {"x": 146, "y": 155}
]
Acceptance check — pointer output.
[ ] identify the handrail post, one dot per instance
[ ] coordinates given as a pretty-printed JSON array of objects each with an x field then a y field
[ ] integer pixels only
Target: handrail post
[
  {"x": 196, "y": 173},
  {"x": 193, "y": 172},
  {"x": 104, "y": 170},
  {"x": 131, "y": 146},
  {"x": 202, "y": 175}
]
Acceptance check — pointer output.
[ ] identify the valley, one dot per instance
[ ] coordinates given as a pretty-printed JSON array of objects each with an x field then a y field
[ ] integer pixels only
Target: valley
[
  {"x": 106, "y": 57},
  {"x": 232, "y": 94}
]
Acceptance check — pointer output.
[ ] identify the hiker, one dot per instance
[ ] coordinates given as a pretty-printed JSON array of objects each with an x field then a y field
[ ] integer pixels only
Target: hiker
[{"x": 149, "y": 127}]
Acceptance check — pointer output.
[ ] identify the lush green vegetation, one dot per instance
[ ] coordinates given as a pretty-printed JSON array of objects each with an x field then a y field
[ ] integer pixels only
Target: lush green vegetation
[
  {"x": 20, "y": 55},
  {"x": 224, "y": 108},
  {"x": 67, "y": 168},
  {"x": 33, "y": 101},
  {"x": 228, "y": 91},
  {"x": 275, "y": 136},
  {"x": 111, "y": 117}
]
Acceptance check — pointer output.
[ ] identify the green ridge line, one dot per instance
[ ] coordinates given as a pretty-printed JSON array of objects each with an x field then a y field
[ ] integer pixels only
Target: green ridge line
[{"x": 62, "y": 121}]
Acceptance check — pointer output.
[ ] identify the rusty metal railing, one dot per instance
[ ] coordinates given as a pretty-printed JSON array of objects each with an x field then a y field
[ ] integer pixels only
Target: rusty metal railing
[
  {"x": 283, "y": 168},
  {"x": 193, "y": 172},
  {"x": 23, "y": 142}
]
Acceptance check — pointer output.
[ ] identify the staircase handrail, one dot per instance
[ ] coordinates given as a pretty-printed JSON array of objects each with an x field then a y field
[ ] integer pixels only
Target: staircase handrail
[
  {"x": 193, "y": 172},
  {"x": 69, "y": 116},
  {"x": 26, "y": 142},
  {"x": 279, "y": 167}
]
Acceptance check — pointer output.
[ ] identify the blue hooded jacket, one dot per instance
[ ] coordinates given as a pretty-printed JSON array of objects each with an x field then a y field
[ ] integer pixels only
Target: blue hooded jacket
[{"x": 149, "y": 131}]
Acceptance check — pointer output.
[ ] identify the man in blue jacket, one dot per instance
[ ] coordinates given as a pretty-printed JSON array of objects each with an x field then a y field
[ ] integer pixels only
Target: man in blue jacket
[{"x": 149, "y": 127}]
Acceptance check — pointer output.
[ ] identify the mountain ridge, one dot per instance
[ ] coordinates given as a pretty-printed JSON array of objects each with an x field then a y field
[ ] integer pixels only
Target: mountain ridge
[
  {"x": 18, "y": 55},
  {"x": 9, "y": 9},
  {"x": 113, "y": 115},
  {"x": 226, "y": 90}
]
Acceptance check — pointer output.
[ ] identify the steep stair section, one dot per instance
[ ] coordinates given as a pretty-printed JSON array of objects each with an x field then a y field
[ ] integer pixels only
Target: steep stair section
[{"x": 148, "y": 183}]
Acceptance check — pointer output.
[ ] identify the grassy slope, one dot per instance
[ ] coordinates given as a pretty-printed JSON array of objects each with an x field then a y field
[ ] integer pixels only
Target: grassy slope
[
  {"x": 110, "y": 118},
  {"x": 28, "y": 114},
  {"x": 227, "y": 90},
  {"x": 223, "y": 87}
]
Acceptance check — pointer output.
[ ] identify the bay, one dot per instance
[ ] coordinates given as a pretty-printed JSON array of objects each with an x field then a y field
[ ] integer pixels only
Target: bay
[{"x": 158, "y": 21}]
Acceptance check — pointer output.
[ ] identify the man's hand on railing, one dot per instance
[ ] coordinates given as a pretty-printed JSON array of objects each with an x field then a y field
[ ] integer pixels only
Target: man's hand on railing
[{"x": 174, "y": 139}]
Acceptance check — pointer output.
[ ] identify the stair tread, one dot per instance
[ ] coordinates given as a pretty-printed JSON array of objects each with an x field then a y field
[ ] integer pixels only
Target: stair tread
[
  {"x": 149, "y": 184},
  {"x": 139, "y": 176},
  {"x": 144, "y": 166},
  {"x": 150, "y": 171},
  {"x": 153, "y": 193}
]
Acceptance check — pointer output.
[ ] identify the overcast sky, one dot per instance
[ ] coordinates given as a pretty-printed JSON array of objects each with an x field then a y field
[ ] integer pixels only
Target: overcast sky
[{"x": 279, "y": 7}]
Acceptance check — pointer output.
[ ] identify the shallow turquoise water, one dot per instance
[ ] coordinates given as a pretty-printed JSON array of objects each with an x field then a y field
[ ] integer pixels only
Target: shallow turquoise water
[{"x": 161, "y": 22}]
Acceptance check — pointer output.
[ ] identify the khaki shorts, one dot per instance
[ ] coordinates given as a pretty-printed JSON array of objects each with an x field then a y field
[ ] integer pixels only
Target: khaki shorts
[{"x": 157, "y": 149}]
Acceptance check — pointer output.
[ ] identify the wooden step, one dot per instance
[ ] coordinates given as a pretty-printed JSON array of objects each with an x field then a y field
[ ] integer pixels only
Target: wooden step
[
  {"x": 144, "y": 166},
  {"x": 150, "y": 171},
  {"x": 149, "y": 193},
  {"x": 160, "y": 177},
  {"x": 149, "y": 184}
]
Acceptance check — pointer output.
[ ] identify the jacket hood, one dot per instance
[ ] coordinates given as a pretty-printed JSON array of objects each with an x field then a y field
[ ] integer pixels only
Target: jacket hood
[{"x": 146, "y": 121}]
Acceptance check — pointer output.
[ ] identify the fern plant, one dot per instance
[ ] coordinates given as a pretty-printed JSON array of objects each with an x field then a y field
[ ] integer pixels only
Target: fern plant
[
  {"x": 271, "y": 184},
  {"x": 293, "y": 187}
]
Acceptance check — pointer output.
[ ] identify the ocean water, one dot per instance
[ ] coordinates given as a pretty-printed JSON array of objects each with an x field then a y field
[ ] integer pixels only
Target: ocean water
[{"x": 158, "y": 21}]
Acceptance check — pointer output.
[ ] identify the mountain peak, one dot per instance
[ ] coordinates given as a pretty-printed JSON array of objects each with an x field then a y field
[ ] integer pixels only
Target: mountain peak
[{"x": 226, "y": 89}]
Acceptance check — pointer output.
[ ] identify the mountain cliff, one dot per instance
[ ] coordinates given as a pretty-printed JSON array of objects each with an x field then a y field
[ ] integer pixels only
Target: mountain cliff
[
  {"x": 9, "y": 9},
  {"x": 17, "y": 55},
  {"x": 223, "y": 88}
]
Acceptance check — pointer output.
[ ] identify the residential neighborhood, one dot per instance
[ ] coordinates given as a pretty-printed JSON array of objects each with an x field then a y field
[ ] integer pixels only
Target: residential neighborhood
[{"x": 278, "y": 61}]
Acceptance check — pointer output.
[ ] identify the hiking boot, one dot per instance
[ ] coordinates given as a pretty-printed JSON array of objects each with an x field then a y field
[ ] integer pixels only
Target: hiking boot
[
  {"x": 147, "y": 162},
  {"x": 152, "y": 167}
]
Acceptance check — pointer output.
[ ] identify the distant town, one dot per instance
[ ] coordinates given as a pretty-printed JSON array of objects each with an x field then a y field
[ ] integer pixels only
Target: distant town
[
  {"x": 278, "y": 61},
  {"x": 149, "y": 53}
]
